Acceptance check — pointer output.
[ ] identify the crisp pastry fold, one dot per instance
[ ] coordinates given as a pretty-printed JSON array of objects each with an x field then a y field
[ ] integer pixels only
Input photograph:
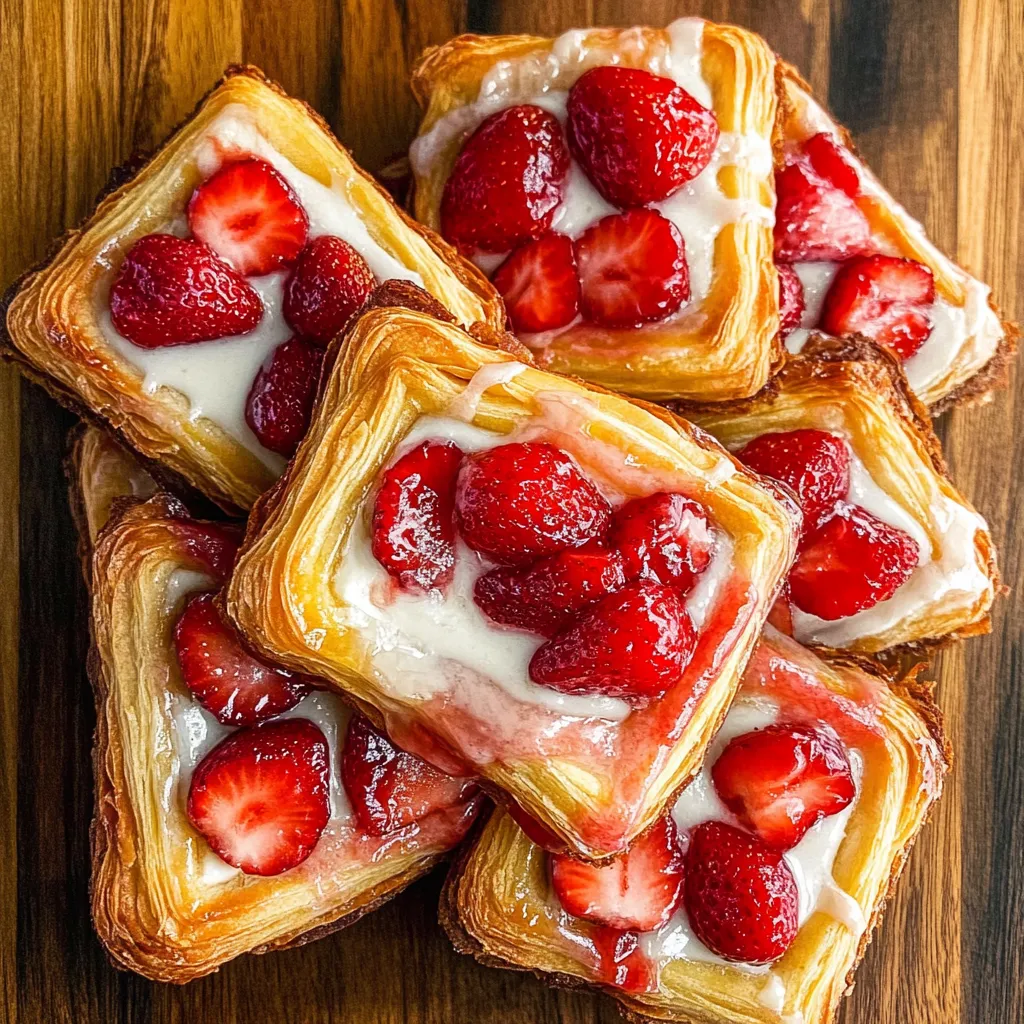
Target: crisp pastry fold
[
  {"x": 499, "y": 903},
  {"x": 857, "y": 390},
  {"x": 723, "y": 343},
  {"x": 163, "y": 903},
  {"x": 308, "y": 592},
  {"x": 177, "y": 406}
]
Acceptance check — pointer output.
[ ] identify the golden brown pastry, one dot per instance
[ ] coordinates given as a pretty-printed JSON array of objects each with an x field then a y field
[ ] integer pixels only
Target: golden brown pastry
[
  {"x": 875, "y": 764},
  {"x": 921, "y": 549},
  {"x": 448, "y": 511},
  {"x": 719, "y": 341},
  {"x": 161, "y": 315}
]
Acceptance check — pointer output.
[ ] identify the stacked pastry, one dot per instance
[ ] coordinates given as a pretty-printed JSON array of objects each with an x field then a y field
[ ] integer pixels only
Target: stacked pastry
[{"x": 677, "y": 645}]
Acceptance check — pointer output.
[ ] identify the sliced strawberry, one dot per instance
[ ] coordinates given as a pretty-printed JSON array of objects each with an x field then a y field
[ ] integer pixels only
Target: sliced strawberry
[
  {"x": 791, "y": 298},
  {"x": 639, "y": 890},
  {"x": 248, "y": 215},
  {"x": 539, "y": 284},
  {"x": 174, "y": 291},
  {"x": 814, "y": 220},
  {"x": 781, "y": 780},
  {"x": 781, "y": 615},
  {"x": 389, "y": 788},
  {"x": 521, "y": 502},
  {"x": 886, "y": 298},
  {"x": 632, "y": 269},
  {"x": 741, "y": 897},
  {"x": 261, "y": 797},
  {"x": 507, "y": 181},
  {"x": 413, "y": 529},
  {"x": 280, "y": 401},
  {"x": 638, "y": 136},
  {"x": 211, "y": 546},
  {"x": 633, "y": 644},
  {"x": 547, "y": 595},
  {"x": 328, "y": 285},
  {"x": 833, "y": 163},
  {"x": 851, "y": 562},
  {"x": 814, "y": 463},
  {"x": 537, "y": 833},
  {"x": 663, "y": 537}
]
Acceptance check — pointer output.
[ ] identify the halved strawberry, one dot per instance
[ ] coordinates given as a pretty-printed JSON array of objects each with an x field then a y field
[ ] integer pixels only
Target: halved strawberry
[
  {"x": 280, "y": 401},
  {"x": 520, "y": 502},
  {"x": 261, "y": 797},
  {"x": 791, "y": 298},
  {"x": 886, "y": 298},
  {"x": 539, "y": 284},
  {"x": 507, "y": 181},
  {"x": 389, "y": 788},
  {"x": 329, "y": 283},
  {"x": 833, "y": 163},
  {"x": 638, "y": 136},
  {"x": 632, "y": 269},
  {"x": 633, "y": 644},
  {"x": 413, "y": 530},
  {"x": 248, "y": 214},
  {"x": 174, "y": 291},
  {"x": 547, "y": 595},
  {"x": 782, "y": 780},
  {"x": 639, "y": 890},
  {"x": 664, "y": 537},
  {"x": 814, "y": 463},
  {"x": 851, "y": 562},
  {"x": 814, "y": 220},
  {"x": 225, "y": 678},
  {"x": 741, "y": 897}
]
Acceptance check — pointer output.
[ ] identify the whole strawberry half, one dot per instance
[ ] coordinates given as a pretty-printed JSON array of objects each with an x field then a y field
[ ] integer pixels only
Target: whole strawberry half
[
  {"x": 782, "y": 780},
  {"x": 633, "y": 644},
  {"x": 507, "y": 181},
  {"x": 833, "y": 163},
  {"x": 248, "y": 215},
  {"x": 886, "y": 298},
  {"x": 851, "y": 562},
  {"x": 638, "y": 891},
  {"x": 791, "y": 298},
  {"x": 261, "y": 797},
  {"x": 638, "y": 136},
  {"x": 389, "y": 788},
  {"x": 539, "y": 284},
  {"x": 175, "y": 291},
  {"x": 521, "y": 502},
  {"x": 280, "y": 401}
]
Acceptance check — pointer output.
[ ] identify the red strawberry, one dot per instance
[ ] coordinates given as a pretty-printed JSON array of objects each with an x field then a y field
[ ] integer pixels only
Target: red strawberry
[
  {"x": 632, "y": 269},
  {"x": 413, "y": 529},
  {"x": 537, "y": 833},
  {"x": 833, "y": 163},
  {"x": 663, "y": 537},
  {"x": 851, "y": 562},
  {"x": 261, "y": 797},
  {"x": 539, "y": 285},
  {"x": 791, "y": 298},
  {"x": 329, "y": 283},
  {"x": 781, "y": 615},
  {"x": 633, "y": 644},
  {"x": 280, "y": 401},
  {"x": 814, "y": 220},
  {"x": 638, "y": 136},
  {"x": 815, "y": 463},
  {"x": 520, "y": 502},
  {"x": 547, "y": 595},
  {"x": 781, "y": 780},
  {"x": 741, "y": 897},
  {"x": 173, "y": 291},
  {"x": 639, "y": 890},
  {"x": 248, "y": 215},
  {"x": 507, "y": 181},
  {"x": 886, "y": 298},
  {"x": 389, "y": 788}
]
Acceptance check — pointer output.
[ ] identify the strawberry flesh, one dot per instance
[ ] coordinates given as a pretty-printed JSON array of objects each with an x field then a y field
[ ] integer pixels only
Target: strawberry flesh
[
  {"x": 175, "y": 291},
  {"x": 833, "y": 163},
  {"x": 539, "y": 284},
  {"x": 538, "y": 834},
  {"x": 791, "y": 298}
]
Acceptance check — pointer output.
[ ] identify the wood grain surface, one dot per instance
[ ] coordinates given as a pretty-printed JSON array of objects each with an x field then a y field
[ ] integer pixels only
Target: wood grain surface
[{"x": 933, "y": 91}]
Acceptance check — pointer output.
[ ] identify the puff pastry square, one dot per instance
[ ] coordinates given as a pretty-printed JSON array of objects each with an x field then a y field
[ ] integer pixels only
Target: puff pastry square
[
  {"x": 182, "y": 407},
  {"x": 499, "y": 903},
  {"x": 455, "y": 688},
  {"x": 856, "y": 390},
  {"x": 723, "y": 343}
]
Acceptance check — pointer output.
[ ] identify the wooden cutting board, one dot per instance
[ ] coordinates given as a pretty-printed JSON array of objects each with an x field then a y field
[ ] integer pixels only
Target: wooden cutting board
[{"x": 933, "y": 91}]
